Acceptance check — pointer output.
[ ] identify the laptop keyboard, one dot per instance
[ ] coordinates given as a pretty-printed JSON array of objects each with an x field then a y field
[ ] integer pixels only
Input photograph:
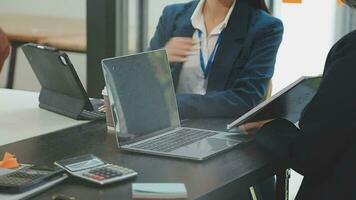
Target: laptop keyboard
[
  {"x": 92, "y": 114},
  {"x": 175, "y": 140}
]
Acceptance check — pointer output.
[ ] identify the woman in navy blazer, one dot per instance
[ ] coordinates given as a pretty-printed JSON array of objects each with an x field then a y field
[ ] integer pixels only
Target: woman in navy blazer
[{"x": 243, "y": 63}]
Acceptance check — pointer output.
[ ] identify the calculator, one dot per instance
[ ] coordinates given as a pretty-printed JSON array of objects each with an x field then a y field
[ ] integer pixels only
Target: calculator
[
  {"x": 93, "y": 169},
  {"x": 27, "y": 178}
]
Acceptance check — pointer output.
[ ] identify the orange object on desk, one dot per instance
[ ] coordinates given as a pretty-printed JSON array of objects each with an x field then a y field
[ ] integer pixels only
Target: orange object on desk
[
  {"x": 9, "y": 161},
  {"x": 292, "y": 1}
]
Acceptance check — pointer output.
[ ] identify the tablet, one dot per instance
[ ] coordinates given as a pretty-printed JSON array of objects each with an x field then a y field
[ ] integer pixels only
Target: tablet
[
  {"x": 61, "y": 92},
  {"x": 287, "y": 103}
]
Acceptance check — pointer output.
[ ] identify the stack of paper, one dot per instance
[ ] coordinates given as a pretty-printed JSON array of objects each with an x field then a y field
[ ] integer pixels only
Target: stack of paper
[
  {"x": 34, "y": 191},
  {"x": 157, "y": 191}
]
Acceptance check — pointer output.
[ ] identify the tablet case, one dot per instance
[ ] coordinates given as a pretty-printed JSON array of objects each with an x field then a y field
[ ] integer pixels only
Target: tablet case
[
  {"x": 61, "y": 103},
  {"x": 62, "y": 91}
]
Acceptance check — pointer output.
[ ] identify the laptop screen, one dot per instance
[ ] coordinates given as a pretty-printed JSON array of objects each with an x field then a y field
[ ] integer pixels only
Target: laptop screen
[{"x": 141, "y": 94}]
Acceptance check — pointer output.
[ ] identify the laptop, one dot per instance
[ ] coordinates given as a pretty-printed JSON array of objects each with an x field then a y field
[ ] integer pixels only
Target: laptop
[
  {"x": 288, "y": 103},
  {"x": 61, "y": 89},
  {"x": 145, "y": 112}
]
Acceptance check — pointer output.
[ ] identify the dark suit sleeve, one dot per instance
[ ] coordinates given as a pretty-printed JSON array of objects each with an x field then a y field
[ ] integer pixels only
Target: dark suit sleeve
[
  {"x": 327, "y": 127},
  {"x": 249, "y": 87},
  {"x": 161, "y": 35}
]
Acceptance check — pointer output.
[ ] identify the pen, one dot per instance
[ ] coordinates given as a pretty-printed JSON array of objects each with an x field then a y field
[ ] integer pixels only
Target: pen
[{"x": 62, "y": 197}]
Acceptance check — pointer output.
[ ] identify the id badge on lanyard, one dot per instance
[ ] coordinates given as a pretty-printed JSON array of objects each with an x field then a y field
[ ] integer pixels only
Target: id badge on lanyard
[{"x": 206, "y": 68}]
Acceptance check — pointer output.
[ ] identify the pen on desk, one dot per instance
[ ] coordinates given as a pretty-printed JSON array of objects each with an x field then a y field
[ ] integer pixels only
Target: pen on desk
[
  {"x": 62, "y": 197},
  {"x": 102, "y": 108}
]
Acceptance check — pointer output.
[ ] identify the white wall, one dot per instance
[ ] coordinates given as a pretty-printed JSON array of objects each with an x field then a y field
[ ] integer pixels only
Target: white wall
[
  {"x": 309, "y": 33},
  {"x": 60, "y": 8},
  {"x": 76, "y": 9}
]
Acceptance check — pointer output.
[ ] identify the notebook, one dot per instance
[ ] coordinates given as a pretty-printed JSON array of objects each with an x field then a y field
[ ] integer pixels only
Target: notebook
[
  {"x": 30, "y": 193},
  {"x": 176, "y": 191}
]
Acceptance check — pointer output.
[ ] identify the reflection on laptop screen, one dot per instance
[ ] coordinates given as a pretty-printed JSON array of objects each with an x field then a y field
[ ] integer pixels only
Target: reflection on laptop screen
[{"x": 141, "y": 92}]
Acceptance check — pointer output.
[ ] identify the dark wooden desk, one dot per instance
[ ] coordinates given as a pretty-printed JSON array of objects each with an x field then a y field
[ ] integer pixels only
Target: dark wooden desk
[{"x": 221, "y": 177}]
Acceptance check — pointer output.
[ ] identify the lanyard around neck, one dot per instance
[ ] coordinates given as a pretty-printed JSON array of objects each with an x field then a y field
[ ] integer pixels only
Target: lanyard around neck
[{"x": 206, "y": 69}]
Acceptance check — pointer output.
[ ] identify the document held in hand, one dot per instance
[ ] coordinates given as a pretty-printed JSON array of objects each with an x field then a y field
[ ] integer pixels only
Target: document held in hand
[{"x": 176, "y": 191}]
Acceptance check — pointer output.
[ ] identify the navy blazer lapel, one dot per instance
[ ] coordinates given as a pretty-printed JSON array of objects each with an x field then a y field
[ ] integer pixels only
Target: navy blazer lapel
[
  {"x": 183, "y": 26},
  {"x": 231, "y": 46}
]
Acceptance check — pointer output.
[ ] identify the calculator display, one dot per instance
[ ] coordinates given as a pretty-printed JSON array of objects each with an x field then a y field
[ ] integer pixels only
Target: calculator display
[
  {"x": 84, "y": 165},
  {"x": 81, "y": 163}
]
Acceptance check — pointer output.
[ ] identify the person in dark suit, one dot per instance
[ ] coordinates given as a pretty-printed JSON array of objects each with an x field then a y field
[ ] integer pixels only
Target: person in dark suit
[
  {"x": 323, "y": 148},
  {"x": 4, "y": 48},
  {"x": 222, "y": 54}
]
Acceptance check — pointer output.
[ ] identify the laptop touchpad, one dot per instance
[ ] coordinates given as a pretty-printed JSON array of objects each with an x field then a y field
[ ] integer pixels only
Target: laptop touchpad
[{"x": 207, "y": 145}]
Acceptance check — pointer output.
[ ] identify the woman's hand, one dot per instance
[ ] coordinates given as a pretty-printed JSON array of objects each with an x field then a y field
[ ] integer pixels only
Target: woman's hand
[
  {"x": 179, "y": 48},
  {"x": 252, "y": 127}
]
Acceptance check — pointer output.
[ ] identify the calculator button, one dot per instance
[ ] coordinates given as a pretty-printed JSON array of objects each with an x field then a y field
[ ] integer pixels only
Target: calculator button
[
  {"x": 117, "y": 174},
  {"x": 99, "y": 178},
  {"x": 86, "y": 174},
  {"x": 107, "y": 172}
]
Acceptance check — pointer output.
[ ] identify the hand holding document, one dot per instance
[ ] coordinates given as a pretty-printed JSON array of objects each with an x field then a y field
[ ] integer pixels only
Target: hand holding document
[{"x": 252, "y": 127}]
